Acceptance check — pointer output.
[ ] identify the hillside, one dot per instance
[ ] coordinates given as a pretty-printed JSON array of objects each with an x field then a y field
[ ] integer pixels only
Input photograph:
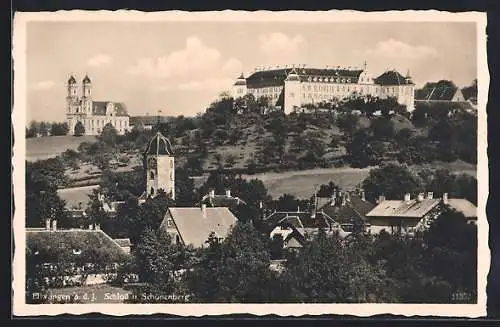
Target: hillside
[{"x": 40, "y": 148}]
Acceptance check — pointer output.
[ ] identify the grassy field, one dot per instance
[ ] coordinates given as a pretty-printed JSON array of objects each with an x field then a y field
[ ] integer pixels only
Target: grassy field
[
  {"x": 302, "y": 183},
  {"x": 50, "y": 146}
]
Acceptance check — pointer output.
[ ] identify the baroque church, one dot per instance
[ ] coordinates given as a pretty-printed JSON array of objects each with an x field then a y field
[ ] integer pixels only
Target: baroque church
[{"x": 93, "y": 115}]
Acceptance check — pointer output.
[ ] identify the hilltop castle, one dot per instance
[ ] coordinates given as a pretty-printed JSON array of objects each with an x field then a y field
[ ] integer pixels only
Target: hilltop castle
[
  {"x": 93, "y": 115},
  {"x": 294, "y": 87}
]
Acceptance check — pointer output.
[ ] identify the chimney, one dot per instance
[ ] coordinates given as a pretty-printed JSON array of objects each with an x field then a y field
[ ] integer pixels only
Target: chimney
[
  {"x": 54, "y": 225},
  {"x": 47, "y": 224},
  {"x": 430, "y": 195},
  {"x": 298, "y": 208},
  {"x": 91, "y": 227},
  {"x": 260, "y": 205},
  {"x": 212, "y": 193},
  {"x": 445, "y": 198},
  {"x": 407, "y": 197},
  {"x": 363, "y": 198},
  {"x": 381, "y": 198},
  {"x": 204, "y": 210},
  {"x": 97, "y": 227},
  {"x": 228, "y": 193},
  {"x": 420, "y": 197},
  {"x": 344, "y": 199},
  {"x": 347, "y": 197}
]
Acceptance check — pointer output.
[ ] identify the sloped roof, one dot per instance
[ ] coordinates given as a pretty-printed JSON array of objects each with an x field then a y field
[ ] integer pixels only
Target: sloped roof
[
  {"x": 355, "y": 207},
  {"x": 71, "y": 80},
  {"x": 123, "y": 242},
  {"x": 147, "y": 120},
  {"x": 401, "y": 208},
  {"x": 99, "y": 108},
  {"x": 464, "y": 206},
  {"x": 86, "y": 80},
  {"x": 194, "y": 228},
  {"x": 436, "y": 94},
  {"x": 65, "y": 244},
  {"x": 221, "y": 201},
  {"x": 276, "y": 77},
  {"x": 159, "y": 145},
  {"x": 392, "y": 77}
]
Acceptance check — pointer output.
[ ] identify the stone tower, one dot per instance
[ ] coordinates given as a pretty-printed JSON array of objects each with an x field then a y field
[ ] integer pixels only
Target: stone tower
[
  {"x": 87, "y": 95},
  {"x": 159, "y": 166},
  {"x": 72, "y": 96},
  {"x": 292, "y": 92}
]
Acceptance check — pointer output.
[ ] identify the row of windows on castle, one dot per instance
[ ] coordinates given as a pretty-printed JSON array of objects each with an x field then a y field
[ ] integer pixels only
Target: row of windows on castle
[
  {"x": 120, "y": 123},
  {"x": 273, "y": 92}
]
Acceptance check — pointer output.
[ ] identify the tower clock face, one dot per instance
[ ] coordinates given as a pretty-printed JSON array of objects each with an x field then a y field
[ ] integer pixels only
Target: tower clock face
[{"x": 152, "y": 163}]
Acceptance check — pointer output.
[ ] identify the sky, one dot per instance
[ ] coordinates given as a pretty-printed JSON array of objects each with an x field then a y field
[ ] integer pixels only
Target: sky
[{"x": 180, "y": 67}]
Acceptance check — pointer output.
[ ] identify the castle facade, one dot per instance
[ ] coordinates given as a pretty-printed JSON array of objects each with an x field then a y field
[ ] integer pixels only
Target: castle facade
[{"x": 292, "y": 88}]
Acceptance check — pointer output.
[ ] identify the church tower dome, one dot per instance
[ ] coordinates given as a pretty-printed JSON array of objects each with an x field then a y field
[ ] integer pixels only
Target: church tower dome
[
  {"x": 71, "y": 80},
  {"x": 86, "y": 80},
  {"x": 159, "y": 166}
]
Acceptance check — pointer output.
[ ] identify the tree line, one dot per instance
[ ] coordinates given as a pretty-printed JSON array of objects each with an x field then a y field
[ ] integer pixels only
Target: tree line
[{"x": 46, "y": 128}]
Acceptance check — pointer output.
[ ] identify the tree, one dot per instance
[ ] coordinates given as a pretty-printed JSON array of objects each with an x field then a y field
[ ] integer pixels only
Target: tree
[
  {"x": 392, "y": 181},
  {"x": 235, "y": 270},
  {"x": 43, "y": 129},
  {"x": 441, "y": 83},
  {"x": 326, "y": 190},
  {"x": 449, "y": 257},
  {"x": 326, "y": 271},
  {"x": 109, "y": 135},
  {"x": 58, "y": 129},
  {"x": 95, "y": 212},
  {"x": 347, "y": 123},
  {"x": 79, "y": 129},
  {"x": 382, "y": 128},
  {"x": 470, "y": 91}
]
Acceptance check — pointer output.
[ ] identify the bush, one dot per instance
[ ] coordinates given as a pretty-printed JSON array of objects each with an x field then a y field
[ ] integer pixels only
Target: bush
[{"x": 79, "y": 129}]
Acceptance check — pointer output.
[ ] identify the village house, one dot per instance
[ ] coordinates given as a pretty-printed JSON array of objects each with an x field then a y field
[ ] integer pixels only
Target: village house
[
  {"x": 88, "y": 256},
  {"x": 297, "y": 227},
  {"x": 192, "y": 226},
  {"x": 410, "y": 215},
  {"x": 450, "y": 98},
  {"x": 221, "y": 200},
  {"x": 348, "y": 208}
]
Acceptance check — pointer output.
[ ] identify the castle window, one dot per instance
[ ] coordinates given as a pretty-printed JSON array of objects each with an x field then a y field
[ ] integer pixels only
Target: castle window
[
  {"x": 152, "y": 191},
  {"x": 171, "y": 176},
  {"x": 177, "y": 239},
  {"x": 151, "y": 175}
]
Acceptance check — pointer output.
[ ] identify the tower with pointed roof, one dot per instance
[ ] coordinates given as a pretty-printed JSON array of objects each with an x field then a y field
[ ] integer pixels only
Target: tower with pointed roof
[
  {"x": 87, "y": 95},
  {"x": 239, "y": 87},
  {"x": 292, "y": 91},
  {"x": 72, "y": 100},
  {"x": 159, "y": 166}
]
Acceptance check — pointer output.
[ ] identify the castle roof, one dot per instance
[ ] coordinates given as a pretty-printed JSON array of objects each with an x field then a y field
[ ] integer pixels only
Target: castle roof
[
  {"x": 86, "y": 80},
  {"x": 401, "y": 208},
  {"x": 276, "y": 77},
  {"x": 99, "y": 108},
  {"x": 72, "y": 80},
  {"x": 159, "y": 145},
  {"x": 392, "y": 77}
]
